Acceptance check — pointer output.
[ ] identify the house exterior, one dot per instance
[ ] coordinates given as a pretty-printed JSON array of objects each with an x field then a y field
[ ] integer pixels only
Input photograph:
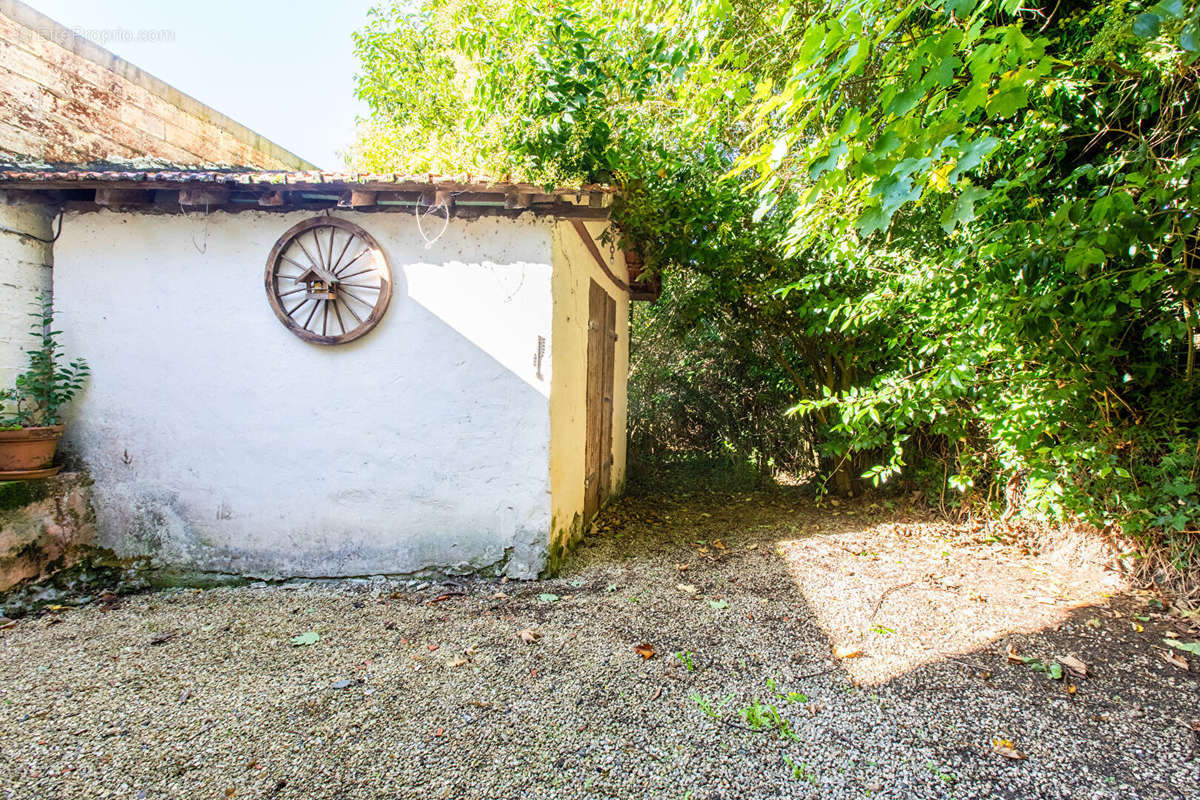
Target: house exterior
[
  {"x": 65, "y": 99},
  {"x": 311, "y": 374}
]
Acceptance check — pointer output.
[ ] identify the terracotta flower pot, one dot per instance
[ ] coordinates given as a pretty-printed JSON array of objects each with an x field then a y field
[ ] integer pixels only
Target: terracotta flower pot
[{"x": 28, "y": 448}]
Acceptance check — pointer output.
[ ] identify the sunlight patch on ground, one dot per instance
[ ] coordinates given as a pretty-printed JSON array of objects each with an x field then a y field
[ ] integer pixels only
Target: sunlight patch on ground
[{"x": 893, "y": 597}]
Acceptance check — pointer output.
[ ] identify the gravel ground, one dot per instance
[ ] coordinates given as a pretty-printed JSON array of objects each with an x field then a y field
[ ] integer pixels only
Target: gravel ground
[{"x": 418, "y": 690}]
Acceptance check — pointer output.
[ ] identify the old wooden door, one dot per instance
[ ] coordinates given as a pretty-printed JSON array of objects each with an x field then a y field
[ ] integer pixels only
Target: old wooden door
[{"x": 601, "y": 352}]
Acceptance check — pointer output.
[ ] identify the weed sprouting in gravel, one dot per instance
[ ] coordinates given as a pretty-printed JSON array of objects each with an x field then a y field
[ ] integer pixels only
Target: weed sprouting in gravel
[
  {"x": 760, "y": 716},
  {"x": 801, "y": 771},
  {"x": 708, "y": 707}
]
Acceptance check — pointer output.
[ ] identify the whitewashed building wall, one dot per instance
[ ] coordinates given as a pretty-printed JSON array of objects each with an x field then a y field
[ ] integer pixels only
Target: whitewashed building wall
[{"x": 220, "y": 441}]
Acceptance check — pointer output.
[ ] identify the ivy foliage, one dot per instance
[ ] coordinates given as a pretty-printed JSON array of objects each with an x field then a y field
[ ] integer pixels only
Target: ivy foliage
[{"x": 954, "y": 239}]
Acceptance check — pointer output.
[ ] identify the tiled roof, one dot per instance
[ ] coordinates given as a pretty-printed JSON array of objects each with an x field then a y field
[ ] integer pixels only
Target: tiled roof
[{"x": 62, "y": 176}]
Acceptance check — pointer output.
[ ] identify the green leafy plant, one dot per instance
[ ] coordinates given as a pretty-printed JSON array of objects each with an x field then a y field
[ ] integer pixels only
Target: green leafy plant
[
  {"x": 956, "y": 240},
  {"x": 760, "y": 715},
  {"x": 801, "y": 771},
  {"x": 40, "y": 392},
  {"x": 685, "y": 658},
  {"x": 709, "y": 707}
]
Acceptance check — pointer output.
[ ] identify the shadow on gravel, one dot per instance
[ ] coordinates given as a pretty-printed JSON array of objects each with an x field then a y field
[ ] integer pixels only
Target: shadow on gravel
[
  {"x": 687, "y": 652},
  {"x": 969, "y": 643}
]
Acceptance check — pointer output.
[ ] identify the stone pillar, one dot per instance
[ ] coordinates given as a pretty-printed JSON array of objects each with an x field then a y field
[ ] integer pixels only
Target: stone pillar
[{"x": 25, "y": 272}]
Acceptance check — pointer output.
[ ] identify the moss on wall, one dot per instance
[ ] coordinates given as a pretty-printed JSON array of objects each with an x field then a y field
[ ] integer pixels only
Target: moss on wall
[{"x": 15, "y": 494}]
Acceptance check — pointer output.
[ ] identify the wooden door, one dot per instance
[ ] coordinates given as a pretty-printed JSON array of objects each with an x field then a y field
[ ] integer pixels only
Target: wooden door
[{"x": 601, "y": 354}]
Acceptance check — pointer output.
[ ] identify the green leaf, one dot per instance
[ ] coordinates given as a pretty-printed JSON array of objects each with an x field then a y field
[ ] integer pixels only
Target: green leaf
[
  {"x": 719, "y": 604},
  {"x": 972, "y": 156},
  {"x": 1055, "y": 671},
  {"x": 304, "y": 639},
  {"x": 963, "y": 210},
  {"x": 1007, "y": 102},
  {"x": 1147, "y": 25},
  {"x": 1189, "y": 39},
  {"x": 904, "y": 102},
  {"x": 961, "y": 8},
  {"x": 872, "y": 220},
  {"x": 1188, "y": 647},
  {"x": 1172, "y": 8},
  {"x": 829, "y": 162},
  {"x": 548, "y": 597}
]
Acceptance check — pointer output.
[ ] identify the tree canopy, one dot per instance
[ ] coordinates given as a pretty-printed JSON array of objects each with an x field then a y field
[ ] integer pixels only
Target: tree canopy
[{"x": 950, "y": 243}]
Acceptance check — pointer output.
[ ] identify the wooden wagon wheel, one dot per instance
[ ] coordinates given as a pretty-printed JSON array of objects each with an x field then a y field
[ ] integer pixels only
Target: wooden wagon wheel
[{"x": 328, "y": 281}]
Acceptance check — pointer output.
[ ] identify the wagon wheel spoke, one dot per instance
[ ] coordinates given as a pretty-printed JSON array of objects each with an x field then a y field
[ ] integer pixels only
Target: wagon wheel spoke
[
  {"x": 312, "y": 261},
  {"x": 351, "y": 261},
  {"x": 355, "y": 274},
  {"x": 353, "y": 313},
  {"x": 338, "y": 314},
  {"x": 342, "y": 254},
  {"x": 348, "y": 293}
]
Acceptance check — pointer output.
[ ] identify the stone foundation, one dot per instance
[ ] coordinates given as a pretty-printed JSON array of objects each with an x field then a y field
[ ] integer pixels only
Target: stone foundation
[{"x": 45, "y": 526}]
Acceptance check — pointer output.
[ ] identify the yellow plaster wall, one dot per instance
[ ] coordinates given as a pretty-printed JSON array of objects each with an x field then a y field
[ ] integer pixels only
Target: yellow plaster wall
[{"x": 574, "y": 268}]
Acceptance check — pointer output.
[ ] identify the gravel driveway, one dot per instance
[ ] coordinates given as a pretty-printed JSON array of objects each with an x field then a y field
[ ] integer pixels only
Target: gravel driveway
[{"x": 687, "y": 651}]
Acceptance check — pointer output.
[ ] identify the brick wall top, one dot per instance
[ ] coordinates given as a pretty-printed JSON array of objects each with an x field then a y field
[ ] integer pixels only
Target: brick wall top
[{"x": 64, "y": 98}]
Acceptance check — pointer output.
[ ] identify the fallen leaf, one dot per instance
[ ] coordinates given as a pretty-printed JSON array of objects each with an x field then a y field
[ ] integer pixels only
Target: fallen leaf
[
  {"x": 717, "y": 543},
  {"x": 645, "y": 650},
  {"x": 1007, "y": 749},
  {"x": 1074, "y": 666},
  {"x": 159, "y": 638},
  {"x": 683, "y": 567},
  {"x": 752, "y": 546},
  {"x": 1055, "y": 671},
  {"x": 432, "y": 647},
  {"x": 499, "y": 596},
  {"x": 1094, "y": 622},
  {"x": 529, "y": 635},
  {"x": 312, "y": 637},
  {"x": 847, "y": 651},
  {"x": 1189, "y": 647},
  {"x": 1013, "y": 658},
  {"x": 1178, "y": 661},
  {"x": 719, "y": 604},
  {"x": 548, "y": 597},
  {"x": 457, "y": 662},
  {"x": 687, "y": 588}
]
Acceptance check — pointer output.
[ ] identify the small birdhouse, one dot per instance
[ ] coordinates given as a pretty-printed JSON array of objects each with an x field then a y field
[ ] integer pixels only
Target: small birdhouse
[{"x": 319, "y": 284}]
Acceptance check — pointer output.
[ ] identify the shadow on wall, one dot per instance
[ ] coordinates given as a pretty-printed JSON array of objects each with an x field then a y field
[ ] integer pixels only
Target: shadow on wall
[{"x": 219, "y": 441}]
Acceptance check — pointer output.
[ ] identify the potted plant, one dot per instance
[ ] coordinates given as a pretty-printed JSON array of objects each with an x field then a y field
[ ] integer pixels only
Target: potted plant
[{"x": 30, "y": 412}]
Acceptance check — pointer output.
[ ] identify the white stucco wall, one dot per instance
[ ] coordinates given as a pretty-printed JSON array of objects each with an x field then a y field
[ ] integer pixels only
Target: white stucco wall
[
  {"x": 220, "y": 441},
  {"x": 25, "y": 266},
  {"x": 575, "y": 268}
]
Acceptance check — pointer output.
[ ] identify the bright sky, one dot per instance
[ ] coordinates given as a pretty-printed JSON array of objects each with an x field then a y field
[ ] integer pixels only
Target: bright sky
[{"x": 283, "y": 69}]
